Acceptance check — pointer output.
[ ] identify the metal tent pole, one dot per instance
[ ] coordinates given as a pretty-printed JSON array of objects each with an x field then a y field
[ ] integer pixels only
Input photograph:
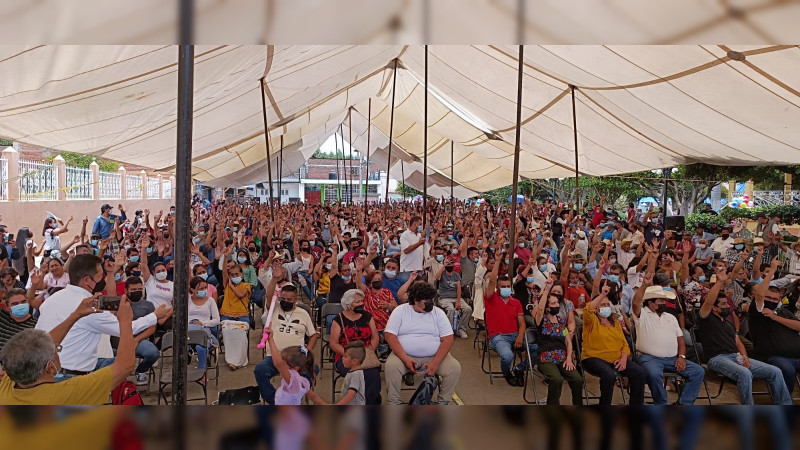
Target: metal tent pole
[
  {"x": 391, "y": 134},
  {"x": 666, "y": 173},
  {"x": 512, "y": 223},
  {"x": 338, "y": 175},
  {"x": 266, "y": 138},
  {"x": 452, "y": 203},
  {"x": 350, "y": 150},
  {"x": 403, "y": 176},
  {"x": 369, "y": 129},
  {"x": 425, "y": 151},
  {"x": 183, "y": 179},
  {"x": 344, "y": 169},
  {"x": 280, "y": 174},
  {"x": 575, "y": 136}
]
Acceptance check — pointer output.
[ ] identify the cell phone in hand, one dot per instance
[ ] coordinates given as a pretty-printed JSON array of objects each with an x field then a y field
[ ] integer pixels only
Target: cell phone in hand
[
  {"x": 10, "y": 237},
  {"x": 108, "y": 303}
]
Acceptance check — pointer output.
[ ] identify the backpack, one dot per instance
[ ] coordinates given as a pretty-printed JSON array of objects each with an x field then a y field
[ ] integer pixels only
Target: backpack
[
  {"x": 424, "y": 393},
  {"x": 243, "y": 396},
  {"x": 126, "y": 394}
]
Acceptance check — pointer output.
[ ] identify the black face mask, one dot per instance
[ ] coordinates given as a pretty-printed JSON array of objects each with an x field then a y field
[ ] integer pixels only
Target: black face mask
[
  {"x": 662, "y": 308},
  {"x": 305, "y": 249},
  {"x": 286, "y": 305},
  {"x": 724, "y": 312},
  {"x": 135, "y": 296},
  {"x": 554, "y": 310},
  {"x": 99, "y": 286},
  {"x": 252, "y": 250},
  {"x": 427, "y": 306},
  {"x": 771, "y": 305},
  {"x": 359, "y": 309},
  {"x": 377, "y": 284}
]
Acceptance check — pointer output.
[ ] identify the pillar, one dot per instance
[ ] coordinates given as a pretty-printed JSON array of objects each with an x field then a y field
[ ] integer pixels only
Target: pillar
[
  {"x": 95, "y": 168},
  {"x": 161, "y": 186},
  {"x": 748, "y": 189},
  {"x": 787, "y": 188},
  {"x": 123, "y": 190},
  {"x": 731, "y": 190},
  {"x": 61, "y": 177},
  {"x": 11, "y": 155},
  {"x": 172, "y": 187},
  {"x": 143, "y": 176}
]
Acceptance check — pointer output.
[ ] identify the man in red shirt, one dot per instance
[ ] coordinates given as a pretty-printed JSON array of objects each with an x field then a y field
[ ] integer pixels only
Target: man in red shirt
[{"x": 505, "y": 326}]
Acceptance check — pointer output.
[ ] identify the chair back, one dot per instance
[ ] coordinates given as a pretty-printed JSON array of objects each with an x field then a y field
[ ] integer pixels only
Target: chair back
[
  {"x": 331, "y": 309},
  {"x": 304, "y": 307},
  {"x": 530, "y": 338},
  {"x": 166, "y": 341}
]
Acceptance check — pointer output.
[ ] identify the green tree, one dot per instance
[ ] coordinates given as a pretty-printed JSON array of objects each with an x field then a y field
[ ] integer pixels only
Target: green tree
[
  {"x": 406, "y": 190},
  {"x": 83, "y": 161}
]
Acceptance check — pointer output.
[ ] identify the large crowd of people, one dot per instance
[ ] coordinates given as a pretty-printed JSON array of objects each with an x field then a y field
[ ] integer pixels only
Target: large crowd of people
[{"x": 618, "y": 297}]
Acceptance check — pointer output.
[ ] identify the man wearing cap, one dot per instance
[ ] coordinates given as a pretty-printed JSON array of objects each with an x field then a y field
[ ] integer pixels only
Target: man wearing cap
[
  {"x": 581, "y": 244},
  {"x": 104, "y": 223},
  {"x": 625, "y": 253},
  {"x": 734, "y": 254},
  {"x": 660, "y": 345},
  {"x": 702, "y": 235},
  {"x": 762, "y": 227}
]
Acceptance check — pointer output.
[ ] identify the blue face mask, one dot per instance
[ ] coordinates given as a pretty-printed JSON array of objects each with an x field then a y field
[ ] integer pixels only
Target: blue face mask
[
  {"x": 578, "y": 266},
  {"x": 117, "y": 276},
  {"x": 739, "y": 246},
  {"x": 505, "y": 261},
  {"x": 666, "y": 288},
  {"x": 236, "y": 280},
  {"x": 202, "y": 294},
  {"x": 440, "y": 258},
  {"x": 149, "y": 250},
  {"x": 389, "y": 273},
  {"x": 311, "y": 243},
  {"x": 419, "y": 229},
  {"x": 346, "y": 278},
  {"x": 543, "y": 268},
  {"x": 505, "y": 292},
  {"x": 477, "y": 259},
  {"x": 203, "y": 276},
  {"x": 449, "y": 237},
  {"x": 136, "y": 273},
  {"x": 93, "y": 242},
  {"x": 134, "y": 258},
  {"x": 480, "y": 241},
  {"x": 328, "y": 266},
  {"x": 20, "y": 310},
  {"x": 613, "y": 278},
  {"x": 241, "y": 259},
  {"x": 701, "y": 278},
  {"x": 529, "y": 280},
  {"x": 605, "y": 311}
]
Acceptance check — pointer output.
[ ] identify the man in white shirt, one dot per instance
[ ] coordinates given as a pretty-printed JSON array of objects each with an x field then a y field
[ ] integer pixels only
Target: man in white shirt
[
  {"x": 724, "y": 243},
  {"x": 660, "y": 345},
  {"x": 411, "y": 246},
  {"x": 420, "y": 337},
  {"x": 79, "y": 347}
]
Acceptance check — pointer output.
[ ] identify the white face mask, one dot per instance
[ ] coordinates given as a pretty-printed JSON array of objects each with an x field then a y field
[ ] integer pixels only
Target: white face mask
[{"x": 161, "y": 276}]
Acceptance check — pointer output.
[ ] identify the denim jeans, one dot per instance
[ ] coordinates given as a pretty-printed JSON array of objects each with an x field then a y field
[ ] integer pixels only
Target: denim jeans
[
  {"x": 656, "y": 366},
  {"x": 264, "y": 372},
  {"x": 726, "y": 365},
  {"x": 503, "y": 344},
  {"x": 202, "y": 352},
  {"x": 149, "y": 354},
  {"x": 258, "y": 296},
  {"x": 789, "y": 368},
  {"x": 309, "y": 281}
]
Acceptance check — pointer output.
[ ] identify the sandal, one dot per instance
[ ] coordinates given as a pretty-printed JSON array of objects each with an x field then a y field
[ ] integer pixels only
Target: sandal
[{"x": 232, "y": 367}]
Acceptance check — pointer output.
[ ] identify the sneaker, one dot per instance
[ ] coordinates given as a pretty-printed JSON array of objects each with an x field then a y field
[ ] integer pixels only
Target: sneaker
[
  {"x": 520, "y": 376},
  {"x": 511, "y": 379},
  {"x": 408, "y": 379},
  {"x": 462, "y": 334},
  {"x": 141, "y": 379}
]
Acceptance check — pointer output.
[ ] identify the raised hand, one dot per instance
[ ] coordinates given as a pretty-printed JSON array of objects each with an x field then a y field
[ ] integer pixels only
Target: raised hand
[
  {"x": 606, "y": 289},
  {"x": 648, "y": 278}
]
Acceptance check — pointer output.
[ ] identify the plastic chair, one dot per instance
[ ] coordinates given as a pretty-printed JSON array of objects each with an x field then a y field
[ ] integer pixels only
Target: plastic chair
[
  {"x": 530, "y": 338},
  {"x": 487, "y": 356},
  {"x": 194, "y": 375},
  {"x": 328, "y": 309},
  {"x": 669, "y": 375},
  {"x": 578, "y": 348}
]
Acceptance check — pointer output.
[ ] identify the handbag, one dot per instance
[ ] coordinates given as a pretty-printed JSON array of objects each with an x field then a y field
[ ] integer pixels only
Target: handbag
[
  {"x": 249, "y": 316},
  {"x": 243, "y": 396},
  {"x": 371, "y": 360}
]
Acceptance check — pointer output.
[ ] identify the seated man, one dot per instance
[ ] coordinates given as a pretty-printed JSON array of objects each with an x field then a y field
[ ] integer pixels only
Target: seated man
[
  {"x": 145, "y": 349},
  {"x": 775, "y": 329},
  {"x": 16, "y": 317},
  {"x": 31, "y": 361},
  {"x": 659, "y": 341},
  {"x": 505, "y": 326},
  {"x": 391, "y": 280},
  {"x": 450, "y": 297},
  {"x": 290, "y": 326},
  {"x": 726, "y": 354},
  {"x": 420, "y": 338}
]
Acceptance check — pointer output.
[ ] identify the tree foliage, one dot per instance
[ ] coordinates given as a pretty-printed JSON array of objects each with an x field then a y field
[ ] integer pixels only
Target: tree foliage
[
  {"x": 319, "y": 154},
  {"x": 83, "y": 161},
  {"x": 406, "y": 190}
]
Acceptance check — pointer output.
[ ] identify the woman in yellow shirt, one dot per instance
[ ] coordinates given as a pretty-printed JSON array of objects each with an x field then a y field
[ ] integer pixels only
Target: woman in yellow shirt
[
  {"x": 322, "y": 276},
  {"x": 606, "y": 353},
  {"x": 236, "y": 304}
]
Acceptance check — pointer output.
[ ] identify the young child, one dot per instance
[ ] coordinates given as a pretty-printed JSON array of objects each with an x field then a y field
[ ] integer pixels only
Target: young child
[
  {"x": 354, "y": 354},
  {"x": 290, "y": 363}
]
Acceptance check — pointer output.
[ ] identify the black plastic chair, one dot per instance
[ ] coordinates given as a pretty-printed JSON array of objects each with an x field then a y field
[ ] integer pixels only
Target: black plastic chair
[
  {"x": 486, "y": 355},
  {"x": 328, "y": 309},
  {"x": 530, "y": 338},
  {"x": 578, "y": 342},
  {"x": 669, "y": 375},
  {"x": 194, "y": 375}
]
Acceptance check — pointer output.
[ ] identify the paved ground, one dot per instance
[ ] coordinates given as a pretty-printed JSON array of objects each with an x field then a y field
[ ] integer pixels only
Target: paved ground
[{"x": 473, "y": 387}]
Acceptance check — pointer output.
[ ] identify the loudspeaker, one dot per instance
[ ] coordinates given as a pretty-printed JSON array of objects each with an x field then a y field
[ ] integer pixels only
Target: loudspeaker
[{"x": 674, "y": 223}]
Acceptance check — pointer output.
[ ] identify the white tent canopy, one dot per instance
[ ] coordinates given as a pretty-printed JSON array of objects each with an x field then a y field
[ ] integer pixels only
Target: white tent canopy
[{"x": 637, "y": 107}]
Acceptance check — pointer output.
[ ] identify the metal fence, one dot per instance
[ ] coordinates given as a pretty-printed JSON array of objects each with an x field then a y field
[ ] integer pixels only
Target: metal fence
[
  {"x": 133, "y": 186},
  {"x": 3, "y": 179},
  {"x": 80, "y": 184},
  {"x": 37, "y": 181},
  {"x": 110, "y": 186},
  {"x": 152, "y": 187},
  {"x": 166, "y": 189}
]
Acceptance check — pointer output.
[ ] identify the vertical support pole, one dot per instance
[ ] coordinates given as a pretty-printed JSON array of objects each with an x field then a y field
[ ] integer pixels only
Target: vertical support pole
[
  {"x": 267, "y": 141},
  {"x": 344, "y": 169},
  {"x": 575, "y": 137},
  {"x": 95, "y": 168},
  {"x": 452, "y": 202},
  {"x": 143, "y": 176},
  {"x": 787, "y": 188},
  {"x": 350, "y": 151},
  {"x": 664, "y": 191},
  {"x": 391, "y": 135},
  {"x": 161, "y": 187},
  {"x": 11, "y": 155},
  {"x": 183, "y": 172},
  {"x": 731, "y": 189},
  {"x": 512, "y": 223},
  {"x": 369, "y": 129},
  {"x": 280, "y": 174},
  {"x": 338, "y": 175},
  {"x": 403, "y": 176},
  {"x": 61, "y": 178},
  {"x": 425, "y": 151}
]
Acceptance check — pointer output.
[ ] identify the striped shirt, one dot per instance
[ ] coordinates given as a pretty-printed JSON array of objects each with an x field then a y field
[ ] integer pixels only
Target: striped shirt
[{"x": 10, "y": 327}]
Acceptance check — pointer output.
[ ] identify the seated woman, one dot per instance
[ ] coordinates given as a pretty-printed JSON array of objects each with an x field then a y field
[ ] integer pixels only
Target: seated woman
[
  {"x": 56, "y": 277},
  {"x": 201, "y": 271},
  {"x": 203, "y": 315},
  {"x": 555, "y": 348},
  {"x": 605, "y": 351},
  {"x": 356, "y": 324}
]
